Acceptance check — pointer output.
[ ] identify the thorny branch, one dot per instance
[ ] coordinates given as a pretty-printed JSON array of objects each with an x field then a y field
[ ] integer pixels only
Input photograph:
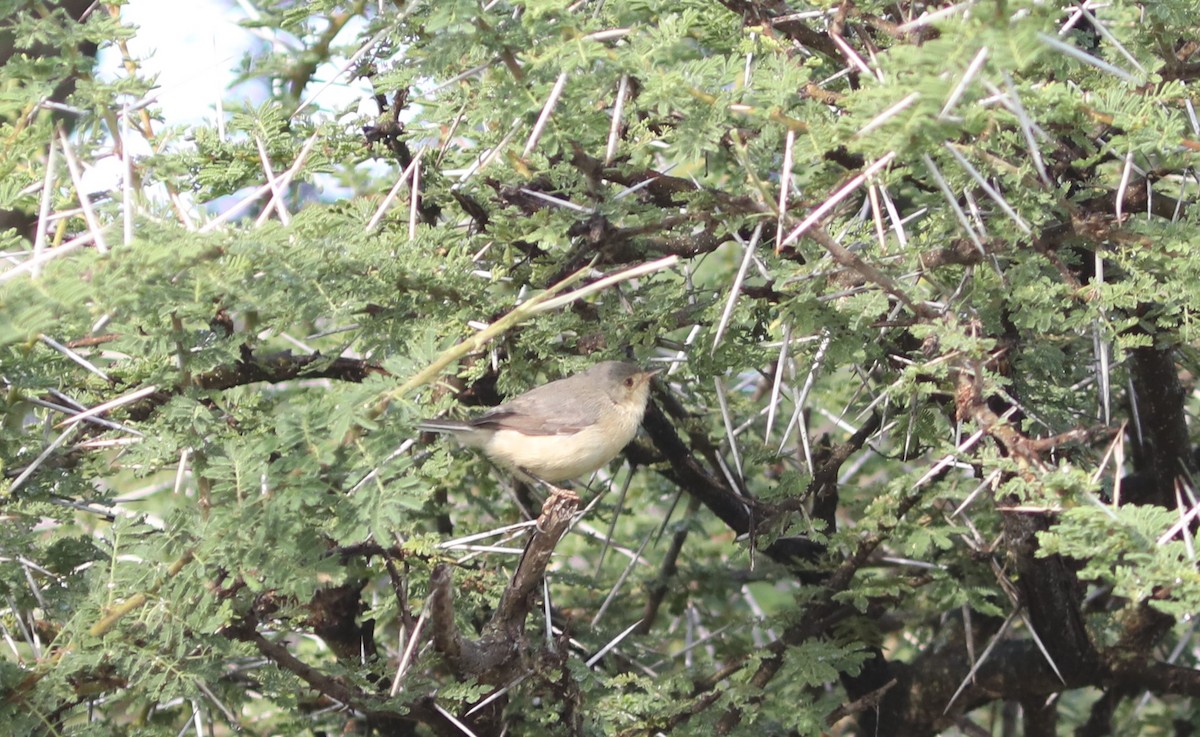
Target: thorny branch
[{"x": 503, "y": 652}]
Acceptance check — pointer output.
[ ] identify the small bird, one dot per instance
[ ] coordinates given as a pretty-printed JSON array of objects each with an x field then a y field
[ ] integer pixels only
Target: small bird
[{"x": 561, "y": 430}]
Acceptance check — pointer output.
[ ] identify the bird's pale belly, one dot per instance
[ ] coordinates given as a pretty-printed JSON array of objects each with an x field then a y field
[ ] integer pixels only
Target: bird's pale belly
[{"x": 556, "y": 458}]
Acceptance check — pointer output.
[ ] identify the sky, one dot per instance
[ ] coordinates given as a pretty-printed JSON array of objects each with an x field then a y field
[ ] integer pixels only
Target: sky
[{"x": 194, "y": 50}]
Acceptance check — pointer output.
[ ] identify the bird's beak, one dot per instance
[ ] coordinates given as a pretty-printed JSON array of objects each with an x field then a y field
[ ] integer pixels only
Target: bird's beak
[{"x": 648, "y": 375}]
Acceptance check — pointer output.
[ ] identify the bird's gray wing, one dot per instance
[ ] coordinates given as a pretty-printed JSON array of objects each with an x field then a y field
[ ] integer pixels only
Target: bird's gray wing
[{"x": 538, "y": 412}]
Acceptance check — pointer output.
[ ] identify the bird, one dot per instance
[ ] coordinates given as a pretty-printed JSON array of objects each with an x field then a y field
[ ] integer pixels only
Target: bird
[{"x": 562, "y": 430}]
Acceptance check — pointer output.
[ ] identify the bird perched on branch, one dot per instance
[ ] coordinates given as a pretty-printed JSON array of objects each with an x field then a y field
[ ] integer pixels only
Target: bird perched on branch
[{"x": 562, "y": 430}]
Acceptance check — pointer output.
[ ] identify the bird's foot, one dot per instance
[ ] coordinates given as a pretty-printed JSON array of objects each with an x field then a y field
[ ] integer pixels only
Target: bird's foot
[{"x": 558, "y": 495}]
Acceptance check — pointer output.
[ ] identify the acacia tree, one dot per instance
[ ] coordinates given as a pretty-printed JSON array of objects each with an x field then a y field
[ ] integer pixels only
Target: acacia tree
[{"x": 921, "y": 280}]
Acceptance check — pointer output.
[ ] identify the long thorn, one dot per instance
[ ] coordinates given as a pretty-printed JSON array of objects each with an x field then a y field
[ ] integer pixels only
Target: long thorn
[
  {"x": 736, "y": 288},
  {"x": 544, "y": 117}
]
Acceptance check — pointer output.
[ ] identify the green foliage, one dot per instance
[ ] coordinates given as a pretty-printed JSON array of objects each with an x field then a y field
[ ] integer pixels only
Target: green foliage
[
  {"x": 1141, "y": 552},
  {"x": 252, "y": 542}
]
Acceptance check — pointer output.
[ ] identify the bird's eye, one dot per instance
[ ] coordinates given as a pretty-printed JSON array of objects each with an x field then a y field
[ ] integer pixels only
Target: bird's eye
[{"x": 629, "y": 382}]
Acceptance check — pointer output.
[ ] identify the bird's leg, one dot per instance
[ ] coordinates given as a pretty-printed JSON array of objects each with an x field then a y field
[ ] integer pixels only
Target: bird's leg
[
  {"x": 558, "y": 492},
  {"x": 569, "y": 494}
]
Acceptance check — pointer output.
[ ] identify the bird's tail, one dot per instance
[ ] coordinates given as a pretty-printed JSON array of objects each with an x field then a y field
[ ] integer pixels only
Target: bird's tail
[{"x": 450, "y": 426}]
